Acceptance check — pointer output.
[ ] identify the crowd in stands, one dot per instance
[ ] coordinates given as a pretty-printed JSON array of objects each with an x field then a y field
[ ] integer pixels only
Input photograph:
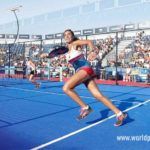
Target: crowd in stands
[
  {"x": 2, "y": 53},
  {"x": 136, "y": 54},
  {"x": 105, "y": 46}
]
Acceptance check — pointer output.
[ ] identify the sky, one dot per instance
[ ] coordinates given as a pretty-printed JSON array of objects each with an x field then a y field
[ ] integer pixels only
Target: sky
[
  {"x": 128, "y": 11},
  {"x": 35, "y": 7}
]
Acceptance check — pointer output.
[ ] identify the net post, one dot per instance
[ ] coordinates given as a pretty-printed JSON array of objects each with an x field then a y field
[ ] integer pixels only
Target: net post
[
  {"x": 48, "y": 69},
  {"x": 60, "y": 74}
]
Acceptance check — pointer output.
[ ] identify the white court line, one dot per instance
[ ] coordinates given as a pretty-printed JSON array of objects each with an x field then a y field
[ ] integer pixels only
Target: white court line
[
  {"x": 85, "y": 128},
  {"x": 27, "y": 90},
  {"x": 61, "y": 94}
]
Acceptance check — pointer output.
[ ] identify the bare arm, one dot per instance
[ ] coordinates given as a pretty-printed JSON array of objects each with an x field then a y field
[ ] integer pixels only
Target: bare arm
[
  {"x": 89, "y": 43},
  {"x": 93, "y": 50}
]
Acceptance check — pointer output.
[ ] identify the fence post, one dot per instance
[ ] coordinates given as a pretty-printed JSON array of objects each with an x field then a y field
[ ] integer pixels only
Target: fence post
[
  {"x": 48, "y": 69},
  {"x": 116, "y": 63},
  {"x": 9, "y": 46},
  {"x": 86, "y": 49}
]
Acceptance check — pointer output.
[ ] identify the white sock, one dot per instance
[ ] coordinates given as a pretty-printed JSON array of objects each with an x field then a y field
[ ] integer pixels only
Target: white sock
[
  {"x": 86, "y": 107},
  {"x": 119, "y": 114}
]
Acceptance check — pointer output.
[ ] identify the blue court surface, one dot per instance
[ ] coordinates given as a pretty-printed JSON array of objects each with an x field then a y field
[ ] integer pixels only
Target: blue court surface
[{"x": 45, "y": 118}]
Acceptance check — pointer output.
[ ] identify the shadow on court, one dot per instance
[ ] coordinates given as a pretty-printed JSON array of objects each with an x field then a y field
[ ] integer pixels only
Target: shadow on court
[{"x": 121, "y": 105}]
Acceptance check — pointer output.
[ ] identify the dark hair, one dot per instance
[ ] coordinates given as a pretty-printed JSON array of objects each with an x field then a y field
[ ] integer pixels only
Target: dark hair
[{"x": 74, "y": 37}]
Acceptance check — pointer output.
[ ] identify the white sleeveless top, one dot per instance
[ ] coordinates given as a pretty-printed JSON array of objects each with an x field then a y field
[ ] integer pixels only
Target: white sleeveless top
[
  {"x": 73, "y": 54},
  {"x": 30, "y": 66}
]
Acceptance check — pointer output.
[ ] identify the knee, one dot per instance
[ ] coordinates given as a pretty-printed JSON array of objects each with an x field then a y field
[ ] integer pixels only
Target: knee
[{"x": 66, "y": 88}]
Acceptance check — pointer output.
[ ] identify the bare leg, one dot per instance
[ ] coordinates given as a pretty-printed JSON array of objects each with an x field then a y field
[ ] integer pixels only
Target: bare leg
[
  {"x": 92, "y": 86},
  {"x": 31, "y": 79},
  {"x": 76, "y": 79}
]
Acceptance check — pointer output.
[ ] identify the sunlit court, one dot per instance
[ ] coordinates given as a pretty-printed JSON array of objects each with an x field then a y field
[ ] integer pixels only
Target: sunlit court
[{"x": 74, "y": 75}]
